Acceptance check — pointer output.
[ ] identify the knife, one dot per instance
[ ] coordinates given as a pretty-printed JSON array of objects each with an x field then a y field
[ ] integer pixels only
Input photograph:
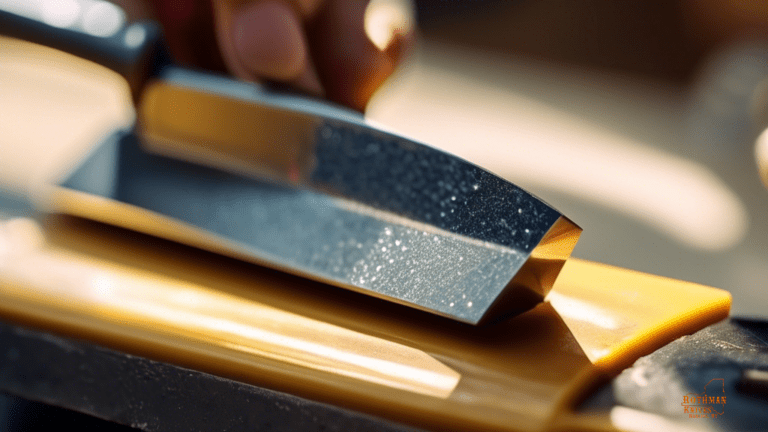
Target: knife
[{"x": 302, "y": 186}]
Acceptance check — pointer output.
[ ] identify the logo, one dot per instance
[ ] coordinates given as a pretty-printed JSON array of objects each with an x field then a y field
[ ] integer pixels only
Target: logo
[{"x": 708, "y": 404}]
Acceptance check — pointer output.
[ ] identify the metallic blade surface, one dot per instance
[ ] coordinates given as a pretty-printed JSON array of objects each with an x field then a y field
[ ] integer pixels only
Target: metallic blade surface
[
  {"x": 308, "y": 188},
  {"x": 343, "y": 155}
]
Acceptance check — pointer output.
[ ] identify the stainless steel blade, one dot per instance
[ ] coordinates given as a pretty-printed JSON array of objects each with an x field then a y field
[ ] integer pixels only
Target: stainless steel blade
[{"x": 302, "y": 186}]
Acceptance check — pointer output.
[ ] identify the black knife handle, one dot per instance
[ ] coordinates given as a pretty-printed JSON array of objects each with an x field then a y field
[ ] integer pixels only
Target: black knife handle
[{"x": 136, "y": 52}]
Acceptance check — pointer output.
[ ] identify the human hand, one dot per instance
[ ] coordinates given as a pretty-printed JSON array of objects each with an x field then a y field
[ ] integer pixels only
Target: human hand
[{"x": 317, "y": 46}]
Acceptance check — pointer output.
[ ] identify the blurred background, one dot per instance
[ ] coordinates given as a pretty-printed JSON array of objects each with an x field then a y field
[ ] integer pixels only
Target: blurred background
[{"x": 636, "y": 119}]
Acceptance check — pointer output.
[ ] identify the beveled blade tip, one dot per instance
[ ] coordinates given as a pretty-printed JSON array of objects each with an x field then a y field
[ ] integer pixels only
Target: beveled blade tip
[{"x": 537, "y": 276}]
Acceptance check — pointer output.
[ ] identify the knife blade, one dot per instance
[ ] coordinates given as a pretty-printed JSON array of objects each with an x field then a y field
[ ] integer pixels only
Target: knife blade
[{"x": 306, "y": 187}]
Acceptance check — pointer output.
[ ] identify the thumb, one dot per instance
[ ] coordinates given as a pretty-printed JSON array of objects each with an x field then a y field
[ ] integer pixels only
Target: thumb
[{"x": 265, "y": 39}]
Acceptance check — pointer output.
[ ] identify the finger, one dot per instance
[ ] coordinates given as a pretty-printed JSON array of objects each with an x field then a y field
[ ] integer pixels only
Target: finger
[
  {"x": 268, "y": 40},
  {"x": 351, "y": 67},
  {"x": 263, "y": 39}
]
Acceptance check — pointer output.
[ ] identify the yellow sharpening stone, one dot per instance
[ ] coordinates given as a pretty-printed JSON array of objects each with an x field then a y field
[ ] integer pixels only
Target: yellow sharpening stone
[{"x": 196, "y": 309}]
